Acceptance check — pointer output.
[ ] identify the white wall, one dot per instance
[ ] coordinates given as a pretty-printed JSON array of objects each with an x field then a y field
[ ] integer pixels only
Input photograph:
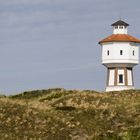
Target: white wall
[
  {"x": 135, "y": 47},
  {"x": 118, "y": 88},
  {"x": 129, "y": 76},
  {"x": 111, "y": 77},
  {"x": 114, "y": 53},
  {"x": 120, "y": 31}
]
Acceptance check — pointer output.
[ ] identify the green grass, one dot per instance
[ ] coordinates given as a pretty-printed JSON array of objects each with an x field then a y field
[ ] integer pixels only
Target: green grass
[
  {"x": 59, "y": 114},
  {"x": 35, "y": 93}
]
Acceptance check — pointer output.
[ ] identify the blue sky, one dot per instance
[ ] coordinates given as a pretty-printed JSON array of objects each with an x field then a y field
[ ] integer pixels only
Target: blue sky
[{"x": 54, "y": 43}]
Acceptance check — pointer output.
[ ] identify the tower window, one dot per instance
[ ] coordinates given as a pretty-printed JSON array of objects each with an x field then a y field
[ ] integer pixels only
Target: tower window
[
  {"x": 108, "y": 52},
  {"x": 116, "y": 27},
  {"x": 120, "y": 78},
  {"x": 121, "y": 27},
  {"x": 133, "y": 52},
  {"x": 121, "y": 52}
]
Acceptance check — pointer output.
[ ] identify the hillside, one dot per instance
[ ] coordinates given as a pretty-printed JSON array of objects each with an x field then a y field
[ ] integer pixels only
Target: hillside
[{"x": 59, "y": 114}]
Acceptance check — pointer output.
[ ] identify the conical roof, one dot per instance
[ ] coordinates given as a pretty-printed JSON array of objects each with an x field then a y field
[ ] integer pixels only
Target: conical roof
[
  {"x": 120, "y": 38},
  {"x": 120, "y": 22}
]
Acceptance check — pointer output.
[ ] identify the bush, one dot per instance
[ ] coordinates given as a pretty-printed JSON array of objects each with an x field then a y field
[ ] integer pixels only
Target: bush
[{"x": 66, "y": 108}]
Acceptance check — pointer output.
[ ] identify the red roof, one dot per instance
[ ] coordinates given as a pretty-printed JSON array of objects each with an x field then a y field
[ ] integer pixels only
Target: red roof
[{"x": 120, "y": 38}]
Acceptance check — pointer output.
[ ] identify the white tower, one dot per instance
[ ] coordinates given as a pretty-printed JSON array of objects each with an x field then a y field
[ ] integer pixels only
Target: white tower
[{"x": 120, "y": 53}]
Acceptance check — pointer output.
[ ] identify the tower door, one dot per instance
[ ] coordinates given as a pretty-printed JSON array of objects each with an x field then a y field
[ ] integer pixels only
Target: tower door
[{"x": 120, "y": 79}]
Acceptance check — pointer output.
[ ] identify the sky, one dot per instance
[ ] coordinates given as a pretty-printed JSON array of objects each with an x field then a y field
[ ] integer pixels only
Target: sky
[{"x": 54, "y": 43}]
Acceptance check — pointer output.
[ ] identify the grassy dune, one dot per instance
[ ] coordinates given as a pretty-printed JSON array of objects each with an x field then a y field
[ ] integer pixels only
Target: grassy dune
[{"x": 59, "y": 114}]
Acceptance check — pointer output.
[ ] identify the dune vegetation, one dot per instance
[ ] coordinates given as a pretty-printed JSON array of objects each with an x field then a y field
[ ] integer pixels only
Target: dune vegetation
[{"x": 59, "y": 114}]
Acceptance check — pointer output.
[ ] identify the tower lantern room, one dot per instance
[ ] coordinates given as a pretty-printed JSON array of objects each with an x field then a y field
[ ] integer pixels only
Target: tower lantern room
[
  {"x": 120, "y": 53},
  {"x": 120, "y": 27}
]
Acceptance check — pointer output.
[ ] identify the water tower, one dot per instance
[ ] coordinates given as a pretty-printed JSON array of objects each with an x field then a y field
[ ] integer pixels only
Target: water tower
[{"x": 120, "y": 53}]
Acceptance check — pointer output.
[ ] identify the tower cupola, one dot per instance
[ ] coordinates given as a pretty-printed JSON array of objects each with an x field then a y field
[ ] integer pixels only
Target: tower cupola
[{"x": 120, "y": 27}]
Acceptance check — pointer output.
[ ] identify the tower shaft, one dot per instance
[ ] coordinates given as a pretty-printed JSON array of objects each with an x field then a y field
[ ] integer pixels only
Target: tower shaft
[{"x": 119, "y": 78}]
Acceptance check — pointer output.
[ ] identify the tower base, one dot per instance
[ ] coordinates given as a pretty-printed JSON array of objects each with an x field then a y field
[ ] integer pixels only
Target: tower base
[
  {"x": 119, "y": 88},
  {"x": 120, "y": 78}
]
